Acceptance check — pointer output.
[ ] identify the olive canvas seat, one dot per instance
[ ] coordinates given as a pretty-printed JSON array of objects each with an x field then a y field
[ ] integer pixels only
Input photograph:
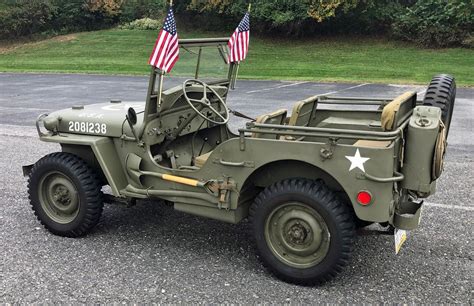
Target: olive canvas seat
[
  {"x": 394, "y": 112},
  {"x": 392, "y": 116},
  {"x": 202, "y": 159},
  {"x": 277, "y": 117},
  {"x": 303, "y": 112}
]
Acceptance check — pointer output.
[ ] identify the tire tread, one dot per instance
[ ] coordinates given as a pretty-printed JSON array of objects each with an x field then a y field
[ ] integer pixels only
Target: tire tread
[
  {"x": 441, "y": 93},
  {"x": 340, "y": 212},
  {"x": 88, "y": 182}
]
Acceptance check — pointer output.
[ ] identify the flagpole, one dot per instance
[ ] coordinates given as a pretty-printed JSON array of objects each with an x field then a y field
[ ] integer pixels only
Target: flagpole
[
  {"x": 160, "y": 89},
  {"x": 235, "y": 73},
  {"x": 160, "y": 82}
]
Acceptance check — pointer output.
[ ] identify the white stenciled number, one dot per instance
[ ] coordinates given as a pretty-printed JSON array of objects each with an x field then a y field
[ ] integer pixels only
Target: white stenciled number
[{"x": 87, "y": 127}]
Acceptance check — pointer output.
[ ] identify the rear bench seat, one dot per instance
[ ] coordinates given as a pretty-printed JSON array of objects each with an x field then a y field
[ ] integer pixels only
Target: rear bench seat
[
  {"x": 304, "y": 111},
  {"x": 392, "y": 116}
]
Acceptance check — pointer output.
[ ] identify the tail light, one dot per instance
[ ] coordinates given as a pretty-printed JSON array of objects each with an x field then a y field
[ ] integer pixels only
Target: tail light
[{"x": 364, "y": 198}]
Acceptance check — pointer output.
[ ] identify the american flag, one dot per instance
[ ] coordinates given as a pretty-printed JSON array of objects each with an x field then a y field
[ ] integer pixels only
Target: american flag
[
  {"x": 166, "y": 51},
  {"x": 239, "y": 42}
]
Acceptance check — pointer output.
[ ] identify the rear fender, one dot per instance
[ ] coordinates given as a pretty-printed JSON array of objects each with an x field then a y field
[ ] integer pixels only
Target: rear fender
[
  {"x": 345, "y": 186},
  {"x": 104, "y": 153},
  {"x": 279, "y": 170}
]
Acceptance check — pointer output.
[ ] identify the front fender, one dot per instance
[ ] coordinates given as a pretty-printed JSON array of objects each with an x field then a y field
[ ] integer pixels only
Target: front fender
[{"x": 104, "y": 152}]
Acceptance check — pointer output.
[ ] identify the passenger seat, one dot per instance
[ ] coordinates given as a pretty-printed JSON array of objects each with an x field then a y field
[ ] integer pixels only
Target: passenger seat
[
  {"x": 278, "y": 117},
  {"x": 303, "y": 112}
]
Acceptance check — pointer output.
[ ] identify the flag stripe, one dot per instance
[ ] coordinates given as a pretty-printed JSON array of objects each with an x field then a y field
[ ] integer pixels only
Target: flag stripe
[
  {"x": 239, "y": 41},
  {"x": 171, "y": 56},
  {"x": 166, "y": 50},
  {"x": 155, "y": 50},
  {"x": 159, "y": 62}
]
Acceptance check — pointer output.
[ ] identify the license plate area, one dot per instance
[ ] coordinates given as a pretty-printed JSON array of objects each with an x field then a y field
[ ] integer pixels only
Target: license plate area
[{"x": 400, "y": 236}]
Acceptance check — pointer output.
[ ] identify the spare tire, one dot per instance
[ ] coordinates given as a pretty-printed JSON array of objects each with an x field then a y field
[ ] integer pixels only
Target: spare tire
[{"x": 442, "y": 93}]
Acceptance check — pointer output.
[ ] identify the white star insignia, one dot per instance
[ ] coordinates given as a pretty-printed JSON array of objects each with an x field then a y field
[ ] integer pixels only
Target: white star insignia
[{"x": 357, "y": 161}]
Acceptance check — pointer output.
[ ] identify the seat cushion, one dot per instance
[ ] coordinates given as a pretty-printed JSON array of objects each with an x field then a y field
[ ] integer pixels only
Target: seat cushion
[
  {"x": 277, "y": 117},
  {"x": 303, "y": 112},
  {"x": 202, "y": 159},
  {"x": 373, "y": 143},
  {"x": 389, "y": 113}
]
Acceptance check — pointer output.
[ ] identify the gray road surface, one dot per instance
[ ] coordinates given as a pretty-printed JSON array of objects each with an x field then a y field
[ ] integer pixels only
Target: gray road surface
[{"x": 150, "y": 253}]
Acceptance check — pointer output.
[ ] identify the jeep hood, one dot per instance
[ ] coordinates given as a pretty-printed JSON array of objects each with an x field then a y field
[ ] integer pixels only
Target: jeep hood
[{"x": 105, "y": 119}]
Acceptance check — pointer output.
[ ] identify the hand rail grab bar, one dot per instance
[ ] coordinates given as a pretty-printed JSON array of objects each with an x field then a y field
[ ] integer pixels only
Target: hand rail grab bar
[
  {"x": 288, "y": 130},
  {"x": 396, "y": 178}
]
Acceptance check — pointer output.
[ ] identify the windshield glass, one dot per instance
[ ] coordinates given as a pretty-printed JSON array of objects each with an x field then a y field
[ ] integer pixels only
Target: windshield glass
[{"x": 206, "y": 63}]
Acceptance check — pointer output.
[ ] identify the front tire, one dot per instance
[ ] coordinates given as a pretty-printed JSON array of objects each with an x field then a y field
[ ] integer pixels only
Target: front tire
[
  {"x": 65, "y": 194},
  {"x": 303, "y": 232}
]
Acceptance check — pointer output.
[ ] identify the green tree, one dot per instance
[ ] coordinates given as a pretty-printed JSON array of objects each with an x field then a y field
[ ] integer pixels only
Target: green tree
[
  {"x": 278, "y": 11},
  {"x": 436, "y": 22}
]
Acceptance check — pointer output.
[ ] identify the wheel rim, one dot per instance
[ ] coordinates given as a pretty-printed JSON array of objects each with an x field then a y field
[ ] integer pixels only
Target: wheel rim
[
  {"x": 58, "y": 197},
  {"x": 297, "y": 235}
]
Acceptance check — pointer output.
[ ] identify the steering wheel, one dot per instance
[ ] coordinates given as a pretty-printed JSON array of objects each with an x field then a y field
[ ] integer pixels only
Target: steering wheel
[{"x": 206, "y": 103}]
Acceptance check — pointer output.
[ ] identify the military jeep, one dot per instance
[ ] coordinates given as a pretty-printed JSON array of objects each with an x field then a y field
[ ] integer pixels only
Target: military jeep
[{"x": 305, "y": 180}]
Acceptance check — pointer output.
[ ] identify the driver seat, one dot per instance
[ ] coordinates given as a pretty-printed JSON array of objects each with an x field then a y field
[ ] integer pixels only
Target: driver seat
[
  {"x": 278, "y": 117},
  {"x": 199, "y": 161}
]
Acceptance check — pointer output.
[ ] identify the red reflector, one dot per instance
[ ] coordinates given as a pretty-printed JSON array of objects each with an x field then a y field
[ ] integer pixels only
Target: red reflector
[{"x": 364, "y": 198}]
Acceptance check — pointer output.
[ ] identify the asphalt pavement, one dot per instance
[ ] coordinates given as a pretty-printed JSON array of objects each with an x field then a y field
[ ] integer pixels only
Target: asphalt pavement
[{"x": 151, "y": 253}]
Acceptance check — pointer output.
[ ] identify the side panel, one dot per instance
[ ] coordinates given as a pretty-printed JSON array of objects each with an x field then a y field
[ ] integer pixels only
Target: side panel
[
  {"x": 105, "y": 153},
  {"x": 348, "y": 174}
]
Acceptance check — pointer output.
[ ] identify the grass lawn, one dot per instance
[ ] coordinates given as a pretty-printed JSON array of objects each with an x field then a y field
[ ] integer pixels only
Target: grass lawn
[{"x": 330, "y": 59}]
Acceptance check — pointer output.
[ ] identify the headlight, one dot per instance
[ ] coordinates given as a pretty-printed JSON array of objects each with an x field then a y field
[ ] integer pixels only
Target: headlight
[{"x": 51, "y": 123}]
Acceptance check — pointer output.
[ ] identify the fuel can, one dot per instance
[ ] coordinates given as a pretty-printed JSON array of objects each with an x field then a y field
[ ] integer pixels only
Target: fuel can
[{"x": 420, "y": 144}]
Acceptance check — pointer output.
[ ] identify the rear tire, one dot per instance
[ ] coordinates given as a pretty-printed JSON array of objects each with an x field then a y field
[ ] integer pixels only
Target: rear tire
[
  {"x": 65, "y": 194},
  {"x": 442, "y": 93},
  {"x": 303, "y": 232}
]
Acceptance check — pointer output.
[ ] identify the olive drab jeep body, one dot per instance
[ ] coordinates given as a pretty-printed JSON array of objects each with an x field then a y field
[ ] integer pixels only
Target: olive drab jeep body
[{"x": 305, "y": 179}]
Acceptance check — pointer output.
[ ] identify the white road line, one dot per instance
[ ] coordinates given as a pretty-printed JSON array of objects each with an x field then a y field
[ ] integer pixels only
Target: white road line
[
  {"x": 278, "y": 87},
  {"x": 345, "y": 89},
  {"x": 422, "y": 89},
  {"x": 17, "y": 130},
  {"x": 406, "y": 85},
  {"x": 23, "y": 108},
  {"x": 459, "y": 207}
]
